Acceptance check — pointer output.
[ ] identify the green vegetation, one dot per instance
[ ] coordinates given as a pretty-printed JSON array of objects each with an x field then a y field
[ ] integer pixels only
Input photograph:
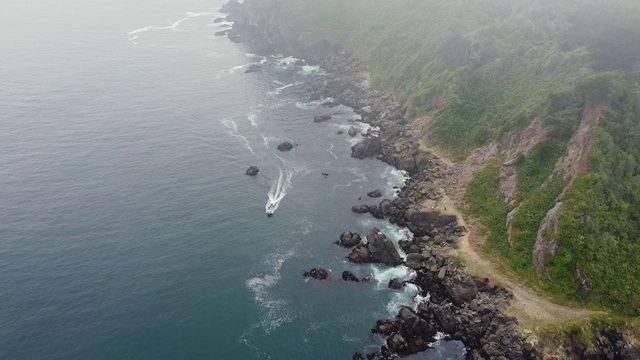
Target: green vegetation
[{"x": 484, "y": 70}]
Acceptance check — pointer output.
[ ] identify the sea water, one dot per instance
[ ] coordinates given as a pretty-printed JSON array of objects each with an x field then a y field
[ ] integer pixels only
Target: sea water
[{"x": 128, "y": 229}]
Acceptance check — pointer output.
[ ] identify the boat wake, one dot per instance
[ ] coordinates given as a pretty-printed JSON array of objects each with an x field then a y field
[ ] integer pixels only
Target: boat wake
[{"x": 278, "y": 190}]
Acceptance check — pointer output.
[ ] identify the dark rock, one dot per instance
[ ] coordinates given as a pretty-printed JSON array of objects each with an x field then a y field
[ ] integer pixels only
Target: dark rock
[
  {"x": 360, "y": 209},
  {"x": 382, "y": 249},
  {"x": 357, "y": 356},
  {"x": 360, "y": 255},
  {"x": 461, "y": 288},
  {"x": 396, "y": 284},
  {"x": 414, "y": 261},
  {"x": 285, "y": 146},
  {"x": 375, "y": 212},
  {"x": 387, "y": 208},
  {"x": 218, "y": 20},
  {"x": 384, "y": 327},
  {"x": 397, "y": 344},
  {"x": 375, "y": 194},
  {"x": 349, "y": 276},
  {"x": 253, "y": 68},
  {"x": 325, "y": 175},
  {"x": 221, "y": 32},
  {"x": 414, "y": 323},
  {"x": 231, "y": 6},
  {"x": 353, "y": 131},
  {"x": 252, "y": 171},
  {"x": 317, "y": 273},
  {"x": 321, "y": 118},
  {"x": 349, "y": 239},
  {"x": 446, "y": 318},
  {"x": 369, "y": 147},
  {"x": 340, "y": 132}
]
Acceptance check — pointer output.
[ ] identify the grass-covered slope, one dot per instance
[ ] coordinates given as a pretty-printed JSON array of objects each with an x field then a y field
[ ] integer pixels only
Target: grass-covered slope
[{"x": 482, "y": 71}]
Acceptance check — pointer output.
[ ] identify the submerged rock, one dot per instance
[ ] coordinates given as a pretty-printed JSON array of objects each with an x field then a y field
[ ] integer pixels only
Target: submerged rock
[
  {"x": 353, "y": 131},
  {"x": 252, "y": 171},
  {"x": 374, "y": 194},
  {"x": 396, "y": 284},
  {"x": 253, "y": 68},
  {"x": 321, "y": 118},
  {"x": 360, "y": 209},
  {"x": 285, "y": 146},
  {"x": 221, "y": 32}
]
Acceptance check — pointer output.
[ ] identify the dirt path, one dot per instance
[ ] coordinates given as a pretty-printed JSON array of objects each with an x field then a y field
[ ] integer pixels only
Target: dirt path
[{"x": 528, "y": 306}]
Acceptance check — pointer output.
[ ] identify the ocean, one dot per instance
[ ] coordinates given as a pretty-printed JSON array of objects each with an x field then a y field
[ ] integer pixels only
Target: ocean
[{"x": 128, "y": 229}]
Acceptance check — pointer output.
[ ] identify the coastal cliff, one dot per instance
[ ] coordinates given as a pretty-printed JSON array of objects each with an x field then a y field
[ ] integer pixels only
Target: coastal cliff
[{"x": 478, "y": 314}]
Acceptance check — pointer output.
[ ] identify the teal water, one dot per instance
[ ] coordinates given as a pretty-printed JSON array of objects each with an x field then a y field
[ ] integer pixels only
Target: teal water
[{"x": 128, "y": 229}]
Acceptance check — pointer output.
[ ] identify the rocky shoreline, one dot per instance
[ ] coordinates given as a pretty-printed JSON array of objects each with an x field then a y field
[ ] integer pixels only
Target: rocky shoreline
[{"x": 467, "y": 309}]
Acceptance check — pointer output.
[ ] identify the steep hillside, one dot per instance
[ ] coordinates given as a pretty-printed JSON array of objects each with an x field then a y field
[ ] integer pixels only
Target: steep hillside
[{"x": 562, "y": 206}]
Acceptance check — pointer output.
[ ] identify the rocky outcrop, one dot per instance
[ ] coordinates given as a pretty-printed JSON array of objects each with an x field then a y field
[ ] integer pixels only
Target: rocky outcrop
[
  {"x": 285, "y": 146},
  {"x": 382, "y": 249},
  {"x": 396, "y": 284},
  {"x": 360, "y": 255},
  {"x": 360, "y": 209},
  {"x": 508, "y": 182},
  {"x": 349, "y": 276},
  {"x": 317, "y": 273},
  {"x": 349, "y": 239},
  {"x": 369, "y": 147},
  {"x": 252, "y": 171}
]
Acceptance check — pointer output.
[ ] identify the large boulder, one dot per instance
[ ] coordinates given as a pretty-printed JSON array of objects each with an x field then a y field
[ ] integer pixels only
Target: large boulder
[
  {"x": 374, "y": 194},
  {"x": 321, "y": 118},
  {"x": 317, "y": 273},
  {"x": 353, "y": 131},
  {"x": 285, "y": 146},
  {"x": 461, "y": 288},
  {"x": 375, "y": 212},
  {"x": 425, "y": 221},
  {"x": 414, "y": 323},
  {"x": 382, "y": 249},
  {"x": 384, "y": 327},
  {"x": 396, "y": 284},
  {"x": 370, "y": 147},
  {"x": 360, "y": 255},
  {"x": 414, "y": 261},
  {"x": 252, "y": 171},
  {"x": 349, "y": 239},
  {"x": 397, "y": 344}
]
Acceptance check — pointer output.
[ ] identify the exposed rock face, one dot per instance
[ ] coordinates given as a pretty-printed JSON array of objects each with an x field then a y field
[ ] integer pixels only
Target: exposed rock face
[
  {"x": 285, "y": 146},
  {"x": 253, "y": 68},
  {"x": 353, "y": 131},
  {"x": 382, "y": 249},
  {"x": 252, "y": 171},
  {"x": 349, "y": 239},
  {"x": 317, "y": 273},
  {"x": 321, "y": 118},
  {"x": 508, "y": 182},
  {"x": 374, "y": 194},
  {"x": 349, "y": 276},
  {"x": 545, "y": 244}
]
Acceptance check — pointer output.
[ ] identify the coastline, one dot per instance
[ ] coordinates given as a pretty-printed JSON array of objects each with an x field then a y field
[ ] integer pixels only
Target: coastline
[{"x": 466, "y": 308}]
